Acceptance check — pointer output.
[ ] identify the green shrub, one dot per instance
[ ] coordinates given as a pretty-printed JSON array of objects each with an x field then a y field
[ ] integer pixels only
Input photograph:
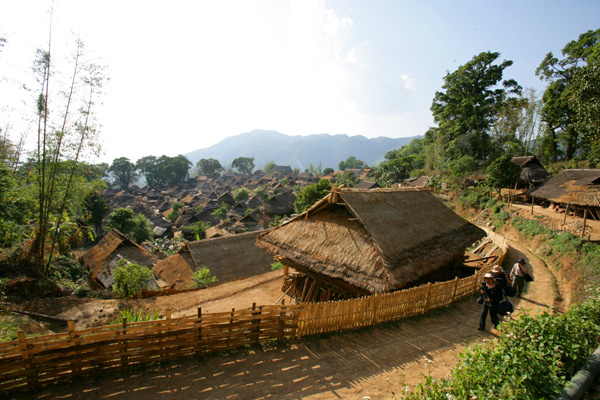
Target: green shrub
[
  {"x": 496, "y": 207},
  {"x": 276, "y": 265},
  {"x": 530, "y": 228},
  {"x": 82, "y": 290},
  {"x": 134, "y": 316},
  {"x": 202, "y": 278},
  {"x": 475, "y": 198},
  {"x": 500, "y": 218},
  {"x": 130, "y": 279},
  {"x": 533, "y": 358}
]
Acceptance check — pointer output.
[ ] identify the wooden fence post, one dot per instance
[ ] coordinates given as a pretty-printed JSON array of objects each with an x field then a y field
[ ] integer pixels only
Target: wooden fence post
[
  {"x": 427, "y": 297},
  {"x": 566, "y": 212},
  {"x": 532, "y": 203},
  {"x": 584, "y": 223},
  {"x": 454, "y": 290},
  {"x": 200, "y": 343},
  {"x": 25, "y": 356},
  {"x": 124, "y": 341}
]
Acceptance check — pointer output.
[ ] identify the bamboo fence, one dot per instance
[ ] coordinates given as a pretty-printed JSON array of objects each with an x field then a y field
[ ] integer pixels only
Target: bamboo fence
[{"x": 26, "y": 363}]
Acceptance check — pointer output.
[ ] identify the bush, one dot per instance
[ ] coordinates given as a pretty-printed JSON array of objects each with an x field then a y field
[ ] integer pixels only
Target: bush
[
  {"x": 134, "y": 316},
  {"x": 276, "y": 265},
  {"x": 500, "y": 218},
  {"x": 530, "y": 228},
  {"x": 130, "y": 279},
  {"x": 475, "y": 198},
  {"x": 202, "y": 278},
  {"x": 533, "y": 358},
  {"x": 82, "y": 291}
]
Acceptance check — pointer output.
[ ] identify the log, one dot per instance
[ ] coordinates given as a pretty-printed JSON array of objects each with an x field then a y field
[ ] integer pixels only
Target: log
[{"x": 43, "y": 317}]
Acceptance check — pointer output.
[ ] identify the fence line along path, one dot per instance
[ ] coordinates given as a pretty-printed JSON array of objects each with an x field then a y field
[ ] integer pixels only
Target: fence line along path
[{"x": 30, "y": 362}]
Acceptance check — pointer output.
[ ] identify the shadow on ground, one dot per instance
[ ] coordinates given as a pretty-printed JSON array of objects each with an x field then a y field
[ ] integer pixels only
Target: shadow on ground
[{"x": 314, "y": 365}]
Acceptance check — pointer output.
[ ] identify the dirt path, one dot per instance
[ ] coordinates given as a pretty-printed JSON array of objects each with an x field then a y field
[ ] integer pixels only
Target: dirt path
[{"x": 376, "y": 362}]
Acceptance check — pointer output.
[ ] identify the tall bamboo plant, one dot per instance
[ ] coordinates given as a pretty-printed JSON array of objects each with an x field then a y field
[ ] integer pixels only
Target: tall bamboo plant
[{"x": 61, "y": 143}]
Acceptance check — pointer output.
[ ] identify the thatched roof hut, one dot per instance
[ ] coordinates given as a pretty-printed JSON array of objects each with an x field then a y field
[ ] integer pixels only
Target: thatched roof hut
[
  {"x": 578, "y": 187},
  {"x": 228, "y": 258},
  {"x": 533, "y": 172},
  {"x": 113, "y": 246},
  {"x": 372, "y": 241}
]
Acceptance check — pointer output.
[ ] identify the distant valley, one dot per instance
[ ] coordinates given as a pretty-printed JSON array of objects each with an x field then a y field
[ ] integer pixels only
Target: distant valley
[{"x": 299, "y": 151}]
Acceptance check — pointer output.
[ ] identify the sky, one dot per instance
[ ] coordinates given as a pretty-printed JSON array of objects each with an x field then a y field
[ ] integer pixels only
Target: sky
[{"x": 185, "y": 74}]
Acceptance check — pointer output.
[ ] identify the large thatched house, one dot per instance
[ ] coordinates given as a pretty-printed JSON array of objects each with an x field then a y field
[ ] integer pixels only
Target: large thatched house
[
  {"x": 228, "y": 258},
  {"x": 533, "y": 172},
  {"x": 371, "y": 241},
  {"x": 578, "y": 188}
]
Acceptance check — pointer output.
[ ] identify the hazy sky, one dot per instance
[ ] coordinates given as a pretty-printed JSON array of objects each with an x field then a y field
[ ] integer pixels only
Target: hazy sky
[{"x": 186, "y": 74}]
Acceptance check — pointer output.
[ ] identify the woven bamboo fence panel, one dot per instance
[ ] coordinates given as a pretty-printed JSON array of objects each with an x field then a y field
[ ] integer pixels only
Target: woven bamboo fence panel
[
  {"x": 30, "y": 362},
  {"x": 35, "y": 361}
]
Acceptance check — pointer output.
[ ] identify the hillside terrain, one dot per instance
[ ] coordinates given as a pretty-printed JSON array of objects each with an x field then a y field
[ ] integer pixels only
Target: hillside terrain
[
  {"x": 378, "y": 362},
  {"x": 299, "y": 151}
]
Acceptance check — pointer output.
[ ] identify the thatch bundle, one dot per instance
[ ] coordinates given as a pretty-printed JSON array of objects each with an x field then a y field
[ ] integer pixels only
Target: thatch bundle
[{"x": 372, "y": 241}]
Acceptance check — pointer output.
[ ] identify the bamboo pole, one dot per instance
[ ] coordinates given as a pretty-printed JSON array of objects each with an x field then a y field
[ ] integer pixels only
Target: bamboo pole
[
  {"x": 566, "y": 212},
  {"x": 532, "y": 203},
  {"x": 585, "y": 212}
]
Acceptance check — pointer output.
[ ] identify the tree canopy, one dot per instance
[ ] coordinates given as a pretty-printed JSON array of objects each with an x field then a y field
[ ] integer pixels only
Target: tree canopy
[
  {"x": 164, "y": 171},
  {"x": 469, "y": 105},
  {"x": 560, "y": 111},
  {"x": 123, "y": 172},
  {"x": 244, "y": 165},
  {"x": 208, "y": 167},
  {"x": 351, "y": 163}
]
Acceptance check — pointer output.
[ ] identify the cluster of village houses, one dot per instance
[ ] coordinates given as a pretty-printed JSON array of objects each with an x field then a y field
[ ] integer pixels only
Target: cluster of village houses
[{"x": 355, "y": 241}]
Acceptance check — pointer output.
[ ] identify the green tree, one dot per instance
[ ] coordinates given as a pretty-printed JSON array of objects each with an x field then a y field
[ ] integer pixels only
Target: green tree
[
  {"x": 95, "y": 208},
  {"x": 351, "y": 163},
  {"x": 310, "y": 194},
  {"x": 198, "y": 229},
  {"x": 460, "y": 169},
  {"x": 469, "y": 104},
  {"x": 123, "y": 172},
  {"x": 558, "y": 112},
  {"x": 173, "y": 215},
  {"x": 208, "y": 167},
  {"x": 502, "y": 173},
  {"x": 135, "y": 226},
  {"x": 164, "y": 171},
  {"x": 202, "y": 278},
  {"x": 130, "y": 279},
  {"x": 63, "y": 137},
  {"x": 244, "y": 165},
  {"x": 241, "y": 194},
  {"x": 269, "y": 166},
  {"x": 328, "y": 171},
  {"x": 348, "y": 179},
  {"x": 220, "y": 212},
  {"x": 585, "y": 103}
]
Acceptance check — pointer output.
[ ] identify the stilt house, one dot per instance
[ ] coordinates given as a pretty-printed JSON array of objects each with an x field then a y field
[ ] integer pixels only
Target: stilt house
[{"x": 362, "y": 242}]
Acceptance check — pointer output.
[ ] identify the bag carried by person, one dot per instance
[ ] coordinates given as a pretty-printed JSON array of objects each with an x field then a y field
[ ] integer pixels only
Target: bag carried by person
[
  {"x": 528, "y": 278},
  {"x": 505, "y": 307}
]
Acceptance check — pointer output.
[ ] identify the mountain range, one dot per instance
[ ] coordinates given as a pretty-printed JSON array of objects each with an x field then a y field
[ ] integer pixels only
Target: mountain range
[{"x": 299, "y": 151}]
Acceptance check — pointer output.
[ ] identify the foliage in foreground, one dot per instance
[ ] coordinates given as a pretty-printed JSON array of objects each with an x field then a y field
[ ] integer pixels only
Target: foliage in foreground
[{"x": 533, "y": 358}]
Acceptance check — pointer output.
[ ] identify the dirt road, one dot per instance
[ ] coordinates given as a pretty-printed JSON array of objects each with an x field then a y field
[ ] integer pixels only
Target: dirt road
[{"x": 372, "y": 362}]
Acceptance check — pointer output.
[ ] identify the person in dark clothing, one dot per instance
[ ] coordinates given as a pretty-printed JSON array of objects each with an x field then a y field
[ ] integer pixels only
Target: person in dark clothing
[
  {"x": 499, "y": 276},
  {"x": 492, "y": 296}
]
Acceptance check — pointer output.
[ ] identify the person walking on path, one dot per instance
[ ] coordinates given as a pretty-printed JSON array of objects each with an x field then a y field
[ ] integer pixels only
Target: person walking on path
[
  {"x": 492, "y": 296},
  {"x": 517, "y": 275}
]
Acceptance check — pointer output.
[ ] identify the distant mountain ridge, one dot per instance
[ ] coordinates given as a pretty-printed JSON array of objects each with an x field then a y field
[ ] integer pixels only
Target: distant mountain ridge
[{"x": 299, "y": 151}]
